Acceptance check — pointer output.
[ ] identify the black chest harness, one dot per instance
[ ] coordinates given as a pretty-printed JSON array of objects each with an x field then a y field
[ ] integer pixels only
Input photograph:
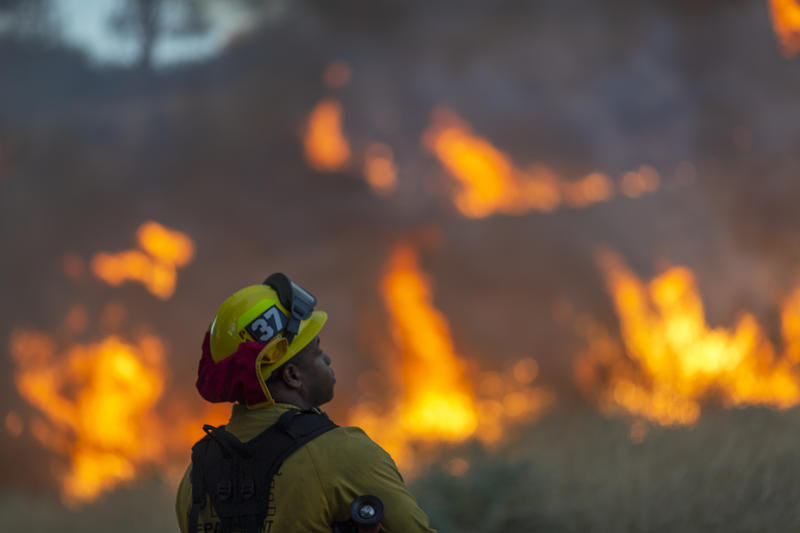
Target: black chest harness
[{"x": 236, "y": 476}]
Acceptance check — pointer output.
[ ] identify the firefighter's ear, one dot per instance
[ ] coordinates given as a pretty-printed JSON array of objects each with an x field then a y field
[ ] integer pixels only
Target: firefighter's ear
[{"x": 291, "y": 376}]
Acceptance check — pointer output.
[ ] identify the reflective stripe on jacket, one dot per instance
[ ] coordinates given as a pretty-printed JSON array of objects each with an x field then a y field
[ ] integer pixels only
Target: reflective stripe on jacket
[{"x": 315, "y": 486}]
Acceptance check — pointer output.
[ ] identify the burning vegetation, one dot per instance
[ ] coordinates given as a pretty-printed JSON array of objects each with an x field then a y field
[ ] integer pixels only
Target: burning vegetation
[
  {"x": 786, "y": 21},
  {"x": 103, "y": 408},
  {"x": 327, "y": 148},
  {"x": 489, "y": 182},
  {"x": 379, "y": 168},
  {"x": 671, "y": 360},
  {"x": 98, "y": 402},
  {"x": 438, "y": 398},
  {"x": 98, "y": 399},
  {"x": 155, "y": 266}
]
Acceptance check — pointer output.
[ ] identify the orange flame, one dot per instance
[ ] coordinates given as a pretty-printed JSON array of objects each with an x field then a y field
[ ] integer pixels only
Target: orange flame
[
  {"x": 99, "y": 403},
  {"x": 326, "y": 147},
  {"x": 675, "y": 360},
  {"x": 98, "y": 400},
  {"x": 490, "y": 183},
  {"x": 379, "y": 168},
  {"x": 165, "y": 245},
  {"x": 786, "y": 22},
  {"x": 157, "y": 269},
  {"x": 438, "y": 401},
  {"x": 638, "y": 182},
  {"x": 590, "y": 190}
]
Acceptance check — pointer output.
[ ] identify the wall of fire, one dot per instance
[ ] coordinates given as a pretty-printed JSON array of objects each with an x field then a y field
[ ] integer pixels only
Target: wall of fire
[{"x": 499, "y": 215}]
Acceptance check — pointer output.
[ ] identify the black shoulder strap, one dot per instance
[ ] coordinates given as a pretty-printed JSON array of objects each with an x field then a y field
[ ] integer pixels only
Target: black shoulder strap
[{"x": 237, "y": 476}]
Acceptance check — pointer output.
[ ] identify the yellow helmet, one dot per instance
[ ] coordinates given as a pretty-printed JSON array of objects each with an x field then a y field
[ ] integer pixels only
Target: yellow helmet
[{"x": 276, "y": 309}]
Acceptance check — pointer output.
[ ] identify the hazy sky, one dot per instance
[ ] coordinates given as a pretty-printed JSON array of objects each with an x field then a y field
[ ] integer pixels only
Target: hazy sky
[{"x": 86, "y": 25}]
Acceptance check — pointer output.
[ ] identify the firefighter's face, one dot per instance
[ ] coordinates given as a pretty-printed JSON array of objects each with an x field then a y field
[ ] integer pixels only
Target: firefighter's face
[{"x": 318, "y": 376}]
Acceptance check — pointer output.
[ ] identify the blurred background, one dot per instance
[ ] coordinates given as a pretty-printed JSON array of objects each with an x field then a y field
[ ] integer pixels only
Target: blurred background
[{"x": 556, "y": 242}]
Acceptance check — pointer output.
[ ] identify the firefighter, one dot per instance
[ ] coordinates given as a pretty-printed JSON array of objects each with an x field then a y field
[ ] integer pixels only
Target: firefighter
[{"x": 280, "y": 465}]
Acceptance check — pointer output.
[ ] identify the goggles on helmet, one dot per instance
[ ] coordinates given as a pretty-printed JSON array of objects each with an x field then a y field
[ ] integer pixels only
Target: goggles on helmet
[{"x": 293, "y": 297}]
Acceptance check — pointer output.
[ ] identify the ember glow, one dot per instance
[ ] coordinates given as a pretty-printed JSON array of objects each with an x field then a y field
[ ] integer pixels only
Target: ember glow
[
  {"x": 379, "y": 168},
  {"x": 671, "y": 360},
  {"x": 491, "y": 183},
  {"x": 326, "y": 147},
  {"x": 97, "y": 401},
  {"x": 589, "y": 190},
  {"x": 438, "y": 400},
  {"x": 156, "y": 267},
  {"x": 786, "y": 22},
  {"x": 639, "y": 182}
]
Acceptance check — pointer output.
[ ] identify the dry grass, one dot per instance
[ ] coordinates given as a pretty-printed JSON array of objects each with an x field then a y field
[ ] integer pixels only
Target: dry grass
[
  {"x": 147, "y": 506},
  {"x": 736, "y": 471}
]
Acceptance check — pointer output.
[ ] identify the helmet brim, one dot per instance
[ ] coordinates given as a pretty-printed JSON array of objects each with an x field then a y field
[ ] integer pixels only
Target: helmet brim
[{"x": 307, "y": 331}]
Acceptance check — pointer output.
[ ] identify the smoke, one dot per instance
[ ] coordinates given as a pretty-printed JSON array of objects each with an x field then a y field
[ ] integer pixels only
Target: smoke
[{"x": 697, "y": 90}]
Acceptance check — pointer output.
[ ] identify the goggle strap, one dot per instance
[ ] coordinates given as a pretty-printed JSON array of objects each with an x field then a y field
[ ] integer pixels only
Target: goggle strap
[
  {"x": 293, "y": 297},
  {"x": 291, "y": 329},
  {"x": 280, "y": 282}
]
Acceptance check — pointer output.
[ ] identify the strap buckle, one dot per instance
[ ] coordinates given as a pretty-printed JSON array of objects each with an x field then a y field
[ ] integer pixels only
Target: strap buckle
[
  {"x": 248, "y": 489},
  {"x": 224, "y": 489}
]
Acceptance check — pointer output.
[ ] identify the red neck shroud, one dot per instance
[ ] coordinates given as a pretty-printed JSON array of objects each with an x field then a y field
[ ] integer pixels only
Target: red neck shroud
[{"x": 233, "y": 379}]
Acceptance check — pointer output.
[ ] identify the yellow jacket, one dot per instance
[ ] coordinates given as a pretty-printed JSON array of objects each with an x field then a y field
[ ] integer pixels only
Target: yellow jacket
[{"x": 316, "y": 484}]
